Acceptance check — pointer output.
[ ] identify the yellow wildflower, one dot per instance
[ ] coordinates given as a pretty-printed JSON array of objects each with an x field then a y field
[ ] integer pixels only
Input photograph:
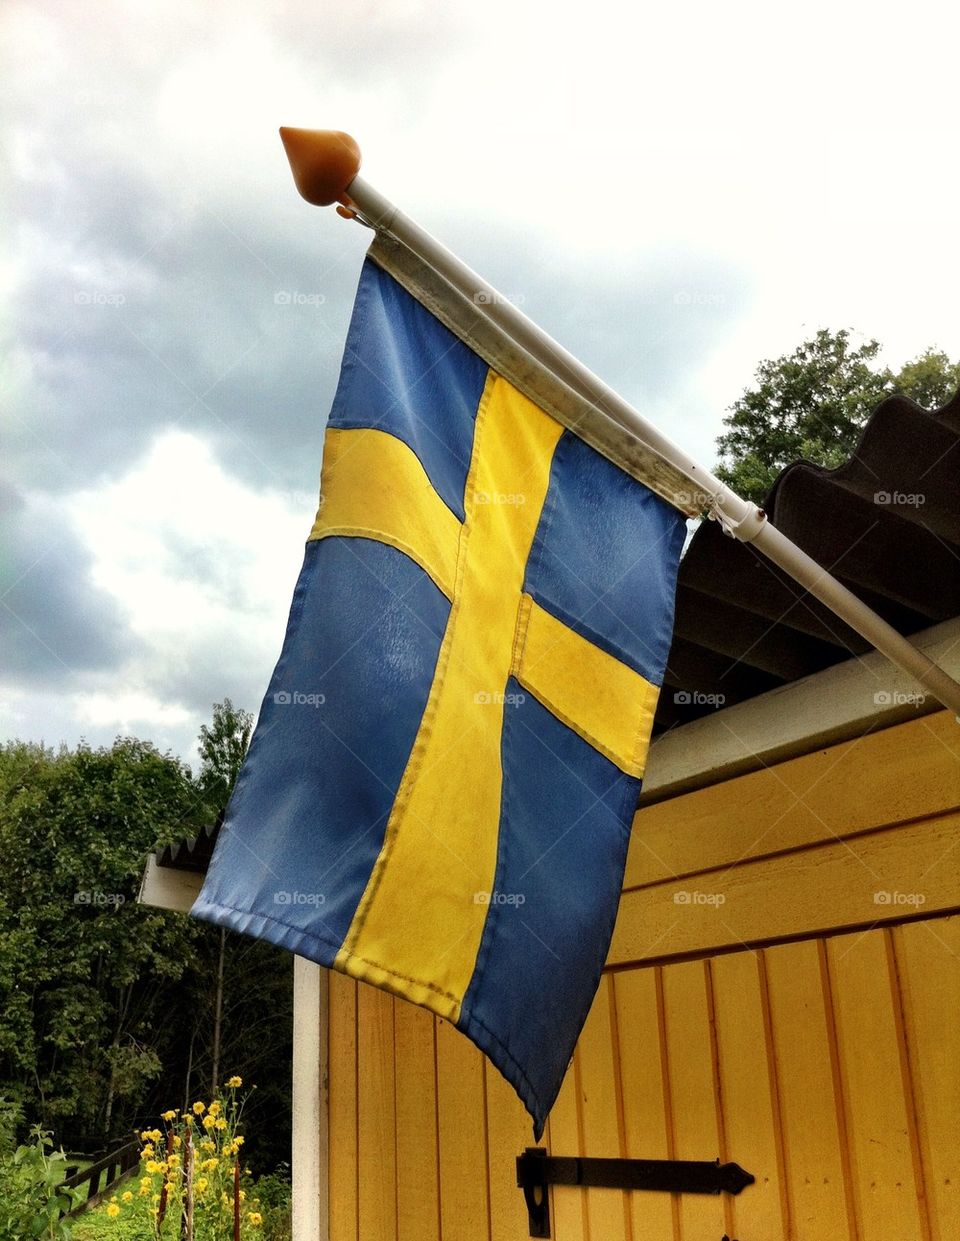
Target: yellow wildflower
[
  {"x": 173, "y": 1160},
  {"x": 145, "y": 1182},
  {"x": 113, "y": 1210},
  {"x": 199, "y": 1108},
  {"x": 207, "y": 1145},
  {"x": 171, "y": 1115},
  {"x": 209, "y": 1122},
  {"x": 153, "y": 1167},
  {"x": 188, "y": 1120},
  {"x": 128, "y": 1196},
  {"x": 238, "y": 1140},
  {"x": 234, "y": 1082},
  {"x": 254, "y": 1218},
  {"x": 177, "y": 1142},
  {"x": 155, "y": 1135},
  {"x": 242, "y": 1194},
  {"x": 220, "y": 1122},
  {"x": 215, "y": 1109},
  {"x": 147, "y": 1152},
  {"x": 200, "y": 1184},
  {"x": 209, "y": 1164}
]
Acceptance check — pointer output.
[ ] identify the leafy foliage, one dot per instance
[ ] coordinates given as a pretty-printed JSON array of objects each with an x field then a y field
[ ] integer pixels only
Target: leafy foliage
[
  {"x": 30, "y": 1202},
  {"x": 82, "y": 965},
  {"x": 813, "y": 403},
  {"x": 222, "y": 748},
  {"x": 931, "y": 379},
  {"x": 11, "y": 1117},
  {"x": 105, "y": 1005}
]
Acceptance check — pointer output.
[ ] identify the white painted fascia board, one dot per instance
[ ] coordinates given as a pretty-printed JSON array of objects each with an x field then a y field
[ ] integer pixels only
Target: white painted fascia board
[
  {"x": 166, "y": 887},
  {"x": 837, "y": 704}
]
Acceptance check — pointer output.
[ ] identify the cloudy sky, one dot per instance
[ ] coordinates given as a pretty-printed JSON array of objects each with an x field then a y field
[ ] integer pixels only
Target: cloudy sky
[{"x": 676, "y": 192}]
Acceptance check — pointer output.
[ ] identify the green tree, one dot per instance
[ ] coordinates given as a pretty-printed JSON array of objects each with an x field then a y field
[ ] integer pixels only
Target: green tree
[
  {"x": 813, "y": 403},
  {"x": 84, "y": 968},
  {"x": 241, "y": 990},
  {"x": 222, "y": 747},
  {"x": 107, "y": 1007},
  {"x": 931, "y": 379}
]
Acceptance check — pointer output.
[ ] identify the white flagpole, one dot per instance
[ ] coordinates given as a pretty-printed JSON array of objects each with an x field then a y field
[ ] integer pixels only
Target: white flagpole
[{"x": 325, "y": 168}]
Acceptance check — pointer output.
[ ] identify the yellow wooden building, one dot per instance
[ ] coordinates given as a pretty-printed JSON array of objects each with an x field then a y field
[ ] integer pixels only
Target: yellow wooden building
[{"x": 783, "y": 990}]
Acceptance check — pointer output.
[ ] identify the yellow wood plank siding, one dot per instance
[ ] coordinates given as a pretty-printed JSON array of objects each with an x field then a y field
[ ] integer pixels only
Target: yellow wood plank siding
[
  {"x": 828, "y": 1066},
  {"x": 886, "y": 1175},
  {"x": 508, "y": 1129},
  {"x": 568, "y": 1207},
  {"x": 858, "y": 834},
  {"x": 881, "y": 779},
  {"x": 418, "y": 1180},
  {"x": 644, "y": 1088},
  {"x": 462, "y": 1110},
  {"x": 849, "y": 883},
  {"x": 802, "y": 1048},
  {"x": 748, "y": 1087},
  {"x": 342, "y": 1120},
  {"x": 930, "y": 998},
  {"x": 601, "y": 1110},
  {"x": 376, "y": 1115}
]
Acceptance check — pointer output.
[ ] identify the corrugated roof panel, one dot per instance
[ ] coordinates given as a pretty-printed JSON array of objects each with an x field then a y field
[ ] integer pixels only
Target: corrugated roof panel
[{"x": 886, "y": 523}]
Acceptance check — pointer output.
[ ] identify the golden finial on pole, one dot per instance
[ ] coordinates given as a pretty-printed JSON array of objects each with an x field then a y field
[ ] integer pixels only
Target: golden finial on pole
[{"x": 323, "y": 163}]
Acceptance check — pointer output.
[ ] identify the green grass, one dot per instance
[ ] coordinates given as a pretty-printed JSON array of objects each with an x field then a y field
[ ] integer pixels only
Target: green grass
[
  {"x": 131, "y": 1225},
  {"x": 99, "y": 1227}
]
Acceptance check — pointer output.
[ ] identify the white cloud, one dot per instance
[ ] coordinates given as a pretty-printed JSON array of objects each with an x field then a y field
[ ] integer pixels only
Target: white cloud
[
  {"x": 202, "y": 568},
  {"x": 794, "y": 162},
  {"x": 126, "y": 713},
  {"x": 187, "y": 549}
]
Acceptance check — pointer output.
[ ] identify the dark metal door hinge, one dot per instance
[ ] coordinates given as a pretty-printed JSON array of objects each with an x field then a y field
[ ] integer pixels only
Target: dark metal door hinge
[{"x": 536, "y": 1169}]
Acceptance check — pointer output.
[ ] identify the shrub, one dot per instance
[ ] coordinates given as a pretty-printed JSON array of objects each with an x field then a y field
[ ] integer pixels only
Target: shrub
[{"x": 30, "y": 1202}]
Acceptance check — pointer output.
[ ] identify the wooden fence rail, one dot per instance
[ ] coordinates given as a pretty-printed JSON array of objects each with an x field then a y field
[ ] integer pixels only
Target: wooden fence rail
[{"x": 103, "y": 1176}]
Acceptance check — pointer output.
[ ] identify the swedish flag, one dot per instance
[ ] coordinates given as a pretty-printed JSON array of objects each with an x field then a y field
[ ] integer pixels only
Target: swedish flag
[{"x": 440, "y": 788}]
